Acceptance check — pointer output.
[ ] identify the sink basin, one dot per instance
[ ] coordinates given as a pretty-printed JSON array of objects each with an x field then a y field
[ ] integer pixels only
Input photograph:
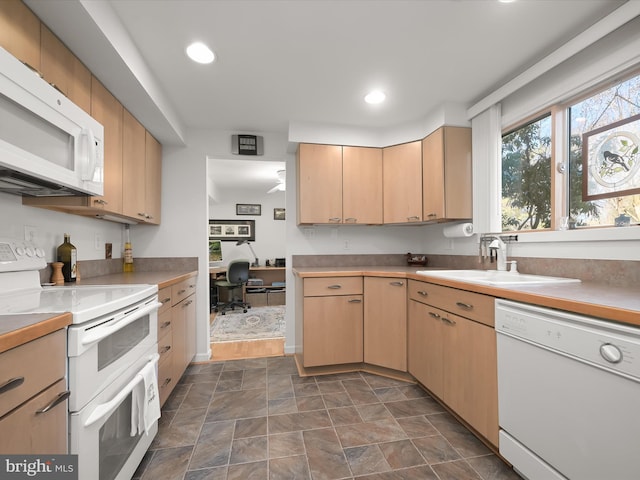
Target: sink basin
[{"x": 494, "y": 277}]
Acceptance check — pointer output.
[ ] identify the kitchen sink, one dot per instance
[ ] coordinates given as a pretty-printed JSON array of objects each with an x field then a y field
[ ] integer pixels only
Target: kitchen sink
[{"x": 494, "y": 277}]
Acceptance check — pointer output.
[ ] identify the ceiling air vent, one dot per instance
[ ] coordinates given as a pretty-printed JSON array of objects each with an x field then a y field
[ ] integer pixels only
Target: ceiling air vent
[{"x": 247, "y": 145}]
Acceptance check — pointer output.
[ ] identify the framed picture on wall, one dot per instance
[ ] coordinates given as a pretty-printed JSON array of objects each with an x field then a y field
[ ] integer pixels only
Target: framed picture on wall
[
  {"x": 232, "y": 230},
  {"x": 278, "y": 214},
  {"x": 248, "y": 209}
]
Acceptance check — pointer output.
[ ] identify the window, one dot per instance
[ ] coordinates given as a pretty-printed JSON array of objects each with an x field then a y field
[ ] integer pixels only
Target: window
[
  {"x": 601, "y": 184},
  {"x": 526, "y": 176}
]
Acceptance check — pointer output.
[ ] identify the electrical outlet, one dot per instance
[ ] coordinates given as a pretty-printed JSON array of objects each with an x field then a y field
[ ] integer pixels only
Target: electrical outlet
[
  {"x": 98, "y": 241},
  {"x": 30, "y": 233}
]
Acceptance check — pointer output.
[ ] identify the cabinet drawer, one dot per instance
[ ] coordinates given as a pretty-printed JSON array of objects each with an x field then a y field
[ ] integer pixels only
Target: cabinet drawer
[
  {"x": 38, "y": 426},
  {"x": 322, "y": 287},
  {"x": 30, "y": 368},
  {"x": 165, "y": 345},
  {"x": 471, "y": 305},
  {"x": 164, "y": 297},
  {"x": 166, "y": 382},
  {"x": 182, "y": 290},
  {"x": 164, "y": 323}
]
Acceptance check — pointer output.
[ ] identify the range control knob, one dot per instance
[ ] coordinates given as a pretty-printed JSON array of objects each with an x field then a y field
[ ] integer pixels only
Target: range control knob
[
  {"x": 20, "y": 251},
  {"x": 39, "y": 252},
  {"x": 611, "y": 353}
]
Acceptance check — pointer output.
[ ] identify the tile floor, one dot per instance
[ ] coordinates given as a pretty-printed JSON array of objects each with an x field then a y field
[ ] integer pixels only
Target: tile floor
[{"x": 257, "y": 419}]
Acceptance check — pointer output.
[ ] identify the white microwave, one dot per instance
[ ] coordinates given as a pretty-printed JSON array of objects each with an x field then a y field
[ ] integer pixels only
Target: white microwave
[{"x": 48, "y": 145}]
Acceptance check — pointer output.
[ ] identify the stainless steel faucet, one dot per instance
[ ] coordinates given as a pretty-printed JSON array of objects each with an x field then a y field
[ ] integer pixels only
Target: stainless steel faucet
[{"x": 495, "y": 246}]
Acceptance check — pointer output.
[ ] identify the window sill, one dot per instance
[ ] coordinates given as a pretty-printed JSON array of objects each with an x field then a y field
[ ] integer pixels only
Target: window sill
[{"x": 605, "y": 234}]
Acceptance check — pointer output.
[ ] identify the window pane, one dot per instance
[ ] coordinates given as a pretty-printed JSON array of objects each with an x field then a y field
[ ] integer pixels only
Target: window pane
[
  {"x": 526, "y": 177},
  {"x": 605, "y": 108}
]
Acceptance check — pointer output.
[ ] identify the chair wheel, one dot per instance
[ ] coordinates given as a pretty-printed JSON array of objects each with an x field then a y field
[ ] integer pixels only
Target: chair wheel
[
  {"x": 245, "y": 310},
  {"x": 223, "y": 313}
]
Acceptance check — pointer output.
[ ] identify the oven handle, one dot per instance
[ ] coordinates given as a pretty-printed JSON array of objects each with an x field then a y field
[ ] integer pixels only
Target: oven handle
[
  {"x": 107, "y": 408},
  {"x": 105, "y": 331}
]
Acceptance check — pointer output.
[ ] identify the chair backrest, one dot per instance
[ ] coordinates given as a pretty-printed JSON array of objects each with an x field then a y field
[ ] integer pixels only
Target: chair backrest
[{"x": 238, "y": 271}]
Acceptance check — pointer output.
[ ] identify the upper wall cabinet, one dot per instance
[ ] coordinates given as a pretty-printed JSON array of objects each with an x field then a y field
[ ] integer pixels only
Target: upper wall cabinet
[
  {"x": 65, "y": 71},
  {"x": 339, "y": 185},
  {"x": 20, "y": 32},
  {"x": 362, "y": 185},
  {"x": 153, "y": 176},
  {"x": 402, "y": 183},
  {"x": 319, "y": 183},
  {"x": 446, "y": 174}
]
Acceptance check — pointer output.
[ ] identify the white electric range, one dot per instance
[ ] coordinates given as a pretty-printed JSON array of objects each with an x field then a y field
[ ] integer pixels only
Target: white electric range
[{"x": 110, "y": 344}]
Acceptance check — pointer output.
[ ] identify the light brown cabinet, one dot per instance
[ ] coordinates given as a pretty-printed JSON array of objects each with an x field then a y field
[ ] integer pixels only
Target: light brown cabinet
[
  {"x": 65, "y": 71},
  {"x": 339, "y": 184},
  {"x": 153, "y": 179},
  {"x": 362, "y": 185},
  {"x": 20, "y": 32},
  {"x": 176, "y": 333},
  {"x": 333, "y": 321},
  {"x": 446, "y": 174},
  {"x": 319, "y": 183},
  {"x": 33, "y": 397},
  {"x": 385, "y": 322},
  {"x": 455, "y": 356},
  {"x": 402, "y": 183}
]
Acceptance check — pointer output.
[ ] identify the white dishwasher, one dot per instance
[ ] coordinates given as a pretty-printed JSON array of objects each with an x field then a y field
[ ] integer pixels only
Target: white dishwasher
[{"x": 568, "y": 394}]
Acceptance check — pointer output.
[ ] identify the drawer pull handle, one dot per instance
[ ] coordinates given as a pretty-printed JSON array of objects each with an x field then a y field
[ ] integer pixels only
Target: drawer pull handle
[
  {"x": 186, "y": 304},
  {"x": 166, "y": 382},
  {"x": 351, "y": 220},
  {"x": 100, "y": 202},
  {"x": 448, "y": 320},
  {"x": 466, "y": 306},
  {"x": 335, "y": 219},
  {"x": 192, "y": 286},
  {"x": 355, "y": 300},
  {"x": 11, "y": 384},
  {"x": 431, "y": 215},
  {"x": 335, "y": 287},
  {"x": 165, "y": 325},
  {"x": 165, "y": 349},
  {"x": 396, "y": 284},
  {"x": 423, "y": 293},
  {"x": 61, "y": 397},
  {"x": 413, "y": 218},
  {"x": 168, "y": 299},
  {"x": 180, "y": 292},
  {"x": 435, "y": 315}
]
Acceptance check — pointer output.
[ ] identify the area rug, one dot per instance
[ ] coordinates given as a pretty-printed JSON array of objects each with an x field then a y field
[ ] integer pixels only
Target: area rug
[{"x": 257, "y": 323}]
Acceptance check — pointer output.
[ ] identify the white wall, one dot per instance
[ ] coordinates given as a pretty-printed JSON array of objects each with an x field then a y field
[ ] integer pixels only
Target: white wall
[{"x": 270, "y": 234}]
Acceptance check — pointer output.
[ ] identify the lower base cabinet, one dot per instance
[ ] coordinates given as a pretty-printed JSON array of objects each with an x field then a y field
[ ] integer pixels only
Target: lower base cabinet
[
  {"x": 176, "y": 334},
  {"x": 456, "y": 359}
]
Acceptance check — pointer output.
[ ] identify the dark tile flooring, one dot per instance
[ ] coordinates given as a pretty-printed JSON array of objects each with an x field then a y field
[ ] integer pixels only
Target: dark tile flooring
[{"x": 257, "y": 419}]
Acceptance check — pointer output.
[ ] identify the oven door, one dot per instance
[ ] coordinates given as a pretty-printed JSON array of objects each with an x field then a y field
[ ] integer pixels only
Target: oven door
[
  {"x": 101, "y": 431},
  {"x": 102, "y": 349}
]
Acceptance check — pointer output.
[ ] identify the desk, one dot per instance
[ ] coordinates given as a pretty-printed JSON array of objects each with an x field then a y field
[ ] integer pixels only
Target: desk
[{"x": 268, "y": 276}]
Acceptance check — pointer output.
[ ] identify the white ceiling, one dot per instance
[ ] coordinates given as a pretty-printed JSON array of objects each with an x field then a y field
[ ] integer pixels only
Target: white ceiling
[{"x": 308, "y": 60}]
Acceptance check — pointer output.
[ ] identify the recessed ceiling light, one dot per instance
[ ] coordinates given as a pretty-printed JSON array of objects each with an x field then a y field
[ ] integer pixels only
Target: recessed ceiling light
[
  {"x": 199, "y": 52},
  {"x": 375, "y": 96}
]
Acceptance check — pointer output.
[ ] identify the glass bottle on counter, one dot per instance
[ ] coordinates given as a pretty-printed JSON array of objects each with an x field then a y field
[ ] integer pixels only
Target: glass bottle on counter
[
  {"x": 127, "y": 265},
  {"x": 67, "y": 254}
]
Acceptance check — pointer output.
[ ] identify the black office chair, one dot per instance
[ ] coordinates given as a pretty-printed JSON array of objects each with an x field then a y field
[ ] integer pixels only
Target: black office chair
[{"x": 237, "y": 276}]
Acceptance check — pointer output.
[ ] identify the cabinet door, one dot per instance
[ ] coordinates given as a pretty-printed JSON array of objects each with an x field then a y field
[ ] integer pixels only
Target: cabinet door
[
  {"x": 446, "y": 169},
  {"x": 190, "y": 329},
  {"x": 153, "y": 179},
  {"x": 362, "y": 185},
  {"x": 470, "y": 376},
  {"x": 332, "y": 331},
  {"x": 385, "y": 322},
  {"x": 425, "y": 346},
  {"x": 179, "y": 332},
  {"x": 35, "y": 429},
  {"x": 20, "y": 32},
  {"x": 133, "y": 167},
  {"x": 65, "y": 71},
  {"x": 433, "y": 176},
  {"x": 402, "y": 183},
  {"x": 319, "y": 183},
  {"x": 107, "y": 110}
]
